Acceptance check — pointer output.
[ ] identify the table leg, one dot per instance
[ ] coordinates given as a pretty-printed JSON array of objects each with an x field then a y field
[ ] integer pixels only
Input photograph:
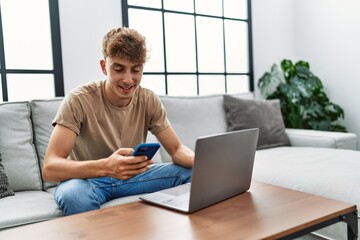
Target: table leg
[{"x": 352, "y": 225}]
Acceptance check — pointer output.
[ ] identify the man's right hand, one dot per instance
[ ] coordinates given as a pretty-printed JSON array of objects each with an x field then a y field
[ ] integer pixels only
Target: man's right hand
[{"x": 122, "y": 165}]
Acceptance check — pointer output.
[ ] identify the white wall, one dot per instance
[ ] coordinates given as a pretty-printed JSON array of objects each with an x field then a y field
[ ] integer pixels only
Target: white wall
[
  {"x": 83, "y": 24},
  {"x": 273, "y": 34}
]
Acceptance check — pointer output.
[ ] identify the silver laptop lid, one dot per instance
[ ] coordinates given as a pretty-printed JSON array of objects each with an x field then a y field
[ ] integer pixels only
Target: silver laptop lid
[{"x": 223, "y": 167}]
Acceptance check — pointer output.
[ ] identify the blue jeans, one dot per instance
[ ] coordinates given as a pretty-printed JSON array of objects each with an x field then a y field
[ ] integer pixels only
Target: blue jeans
[{"x": 81, "y": 195}]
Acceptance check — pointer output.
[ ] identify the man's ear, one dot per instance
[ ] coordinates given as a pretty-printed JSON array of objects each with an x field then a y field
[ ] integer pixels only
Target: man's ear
[{"x": 103, "y": 66}]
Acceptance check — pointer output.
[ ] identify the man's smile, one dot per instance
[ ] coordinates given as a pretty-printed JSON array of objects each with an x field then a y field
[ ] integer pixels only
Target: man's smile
[{"x": 126, "y": 87}]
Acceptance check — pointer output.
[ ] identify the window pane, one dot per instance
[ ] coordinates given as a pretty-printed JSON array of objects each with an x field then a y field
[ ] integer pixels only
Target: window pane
[
  {"x": 235, "y": 9},
  {"x": 209, "y": 7},
  {"x": 180, "y": 43},
  {"x": 182, "y": 6},
  {"x": 237, "y": 84},
  {"x": 27, "y": 36},
  {"x": 23, "y": 87},
  {"x": 211, "y": 84},
  {"x": 149, "y": 24},
  {"x": 210, "y": 44},
  {"x": 236, "y": 46},
  {"x": 182, "y": 85},
  {"x": 155, "y": 83},
  {"x": 146, "y": 3}
]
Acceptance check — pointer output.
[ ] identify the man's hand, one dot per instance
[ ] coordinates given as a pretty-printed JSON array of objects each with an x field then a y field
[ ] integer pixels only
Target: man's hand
[{"x": 122, "y": 165}]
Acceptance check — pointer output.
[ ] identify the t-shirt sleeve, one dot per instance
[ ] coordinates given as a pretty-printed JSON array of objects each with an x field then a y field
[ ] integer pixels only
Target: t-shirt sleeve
[
  {"x": 70, "y": 114},
  {"x": 158, "y": 119}
]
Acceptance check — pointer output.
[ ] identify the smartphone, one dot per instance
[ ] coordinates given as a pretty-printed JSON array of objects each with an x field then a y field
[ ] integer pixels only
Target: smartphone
[{"x": 147, "y": 149}]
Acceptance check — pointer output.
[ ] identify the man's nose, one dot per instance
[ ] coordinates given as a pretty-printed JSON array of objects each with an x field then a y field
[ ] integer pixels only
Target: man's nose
[{"x": 127, "y": 77}]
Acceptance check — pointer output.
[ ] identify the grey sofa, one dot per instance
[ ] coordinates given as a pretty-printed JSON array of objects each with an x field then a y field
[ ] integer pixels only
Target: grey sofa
[{"x": 322, "y": 163}]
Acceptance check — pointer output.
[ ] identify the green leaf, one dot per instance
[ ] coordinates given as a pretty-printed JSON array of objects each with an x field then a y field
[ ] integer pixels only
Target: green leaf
[
  {"x": 323, "y": 125},
  {"x": 304, "y": 88},
  {"x": 334, "y": 111},
  {"x": 316, "y": 110},
  {"x": 292, "y": 93},
  {"x": 288, "y": 69},
  {"x": 302, "y": 64},
  {"x": 338, "y": 128},
  {"x": 269, "y": 82}
]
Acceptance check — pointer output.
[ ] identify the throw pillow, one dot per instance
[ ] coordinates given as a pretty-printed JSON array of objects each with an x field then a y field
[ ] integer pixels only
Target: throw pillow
[
  {"x": 4, "y": 182},
  {"x": 262, "y": 114}
]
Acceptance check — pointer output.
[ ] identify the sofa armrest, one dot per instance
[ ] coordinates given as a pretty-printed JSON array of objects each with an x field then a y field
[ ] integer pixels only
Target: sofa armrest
[{"x": 316, "y": 138}]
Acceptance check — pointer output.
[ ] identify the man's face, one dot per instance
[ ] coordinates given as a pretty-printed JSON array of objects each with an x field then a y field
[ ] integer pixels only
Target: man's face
[{"x": 123, "y": 77}]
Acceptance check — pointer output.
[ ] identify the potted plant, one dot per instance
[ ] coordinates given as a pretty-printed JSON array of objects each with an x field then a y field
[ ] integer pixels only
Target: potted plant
[{"x": 304, "y": 104}]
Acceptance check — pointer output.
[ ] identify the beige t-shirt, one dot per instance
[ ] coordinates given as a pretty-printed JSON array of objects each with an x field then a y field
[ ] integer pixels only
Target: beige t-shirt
[{"x": 101, "y": 127}]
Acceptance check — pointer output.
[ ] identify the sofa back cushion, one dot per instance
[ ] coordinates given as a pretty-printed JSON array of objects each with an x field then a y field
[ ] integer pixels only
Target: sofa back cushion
[
  {"x": 43, "y": 113},
  {"x": 263, "y": 114},
  {"x": 193, "y": 117},
  {"x": 16, "y": 146}
]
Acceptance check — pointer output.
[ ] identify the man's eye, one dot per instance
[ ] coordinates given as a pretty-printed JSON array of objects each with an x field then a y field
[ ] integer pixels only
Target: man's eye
[
  {"x": 118, "y": 69},
  {"x": 137, "y": 69}
]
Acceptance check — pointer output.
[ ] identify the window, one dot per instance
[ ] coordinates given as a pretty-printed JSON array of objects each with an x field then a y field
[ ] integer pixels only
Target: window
[
  {"x": 197, "y": 47},
  {"x": 30, "y": 50}
]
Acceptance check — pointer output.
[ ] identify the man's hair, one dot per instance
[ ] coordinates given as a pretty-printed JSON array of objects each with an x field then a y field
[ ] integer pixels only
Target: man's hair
[{"x": 125, "y": 43}]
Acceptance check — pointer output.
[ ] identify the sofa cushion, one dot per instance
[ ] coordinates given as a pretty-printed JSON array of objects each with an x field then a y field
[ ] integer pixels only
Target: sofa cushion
[
  {"x": 43, "y": 113},
  {"x": 328, "y": 172},
  {"x": 262, "y": 114},
  {"x": 5, "y": 191},
  {"x": 192, "y": 117},
  {"x": 28, "y": 207},
  {"x": 17, "y": 148}
]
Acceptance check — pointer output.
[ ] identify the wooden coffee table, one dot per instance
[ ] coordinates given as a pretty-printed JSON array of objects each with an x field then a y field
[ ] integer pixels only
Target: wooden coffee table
[{"x": 264, "y": 212}]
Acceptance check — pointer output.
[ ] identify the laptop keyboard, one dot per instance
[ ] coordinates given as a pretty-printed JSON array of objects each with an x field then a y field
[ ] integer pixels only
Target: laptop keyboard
[
  {"x": 181, "y": 201},
  {"x": 179, "y": 190},
  {"x": 179, "y": 196}
]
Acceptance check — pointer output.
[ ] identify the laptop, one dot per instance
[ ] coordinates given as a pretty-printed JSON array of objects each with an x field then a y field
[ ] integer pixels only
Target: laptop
[{"x": 222, "y": 168}]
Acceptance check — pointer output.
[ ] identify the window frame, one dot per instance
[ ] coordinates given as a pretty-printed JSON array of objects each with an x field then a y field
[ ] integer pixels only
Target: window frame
[
  {"x": 125, "y": 17},
  {"x": 57, "y": 70}
]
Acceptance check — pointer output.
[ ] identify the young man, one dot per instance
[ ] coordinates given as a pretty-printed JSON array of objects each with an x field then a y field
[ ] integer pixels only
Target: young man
[{"x": 98, "y": 126}]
